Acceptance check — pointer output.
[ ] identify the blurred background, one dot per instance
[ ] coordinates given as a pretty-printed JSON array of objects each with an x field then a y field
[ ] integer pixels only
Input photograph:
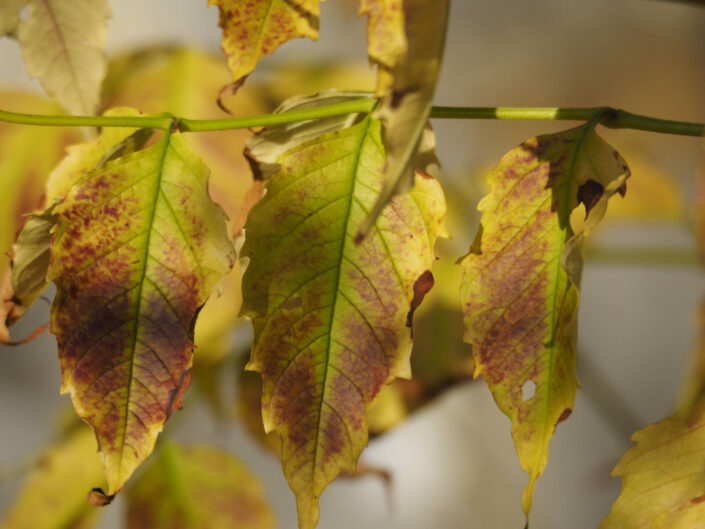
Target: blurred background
[{"x": 452, "y": 462}]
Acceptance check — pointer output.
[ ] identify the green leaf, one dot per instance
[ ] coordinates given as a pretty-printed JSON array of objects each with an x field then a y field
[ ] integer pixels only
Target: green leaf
[
  {"x": 197, "y": 487},
  {"x": 407, "y": 91},
  {"x": 663, "y": 483},
  {"x": 138, "y": 248},
  {"x": 54, "y": 494},
  {"x": 521, "y": 278},
  {"x": 330, "y": 316},
  {"x": 252, "y": 30},
  {"x": 62, "y": 44},
  {"x": 10, "y": 15}
]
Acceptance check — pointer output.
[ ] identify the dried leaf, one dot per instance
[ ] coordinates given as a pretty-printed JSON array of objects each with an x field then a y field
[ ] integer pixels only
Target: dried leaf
[
  {"x": 54, "y": 495},
  {"x": 62, "y": 44},
  {"x": 252, "y": 30},
  {"x": 138, "y": 248},
  {"x": 663, "y": 483},
  {"x": 407, "y": 91},
  {"x": 329, "y": 315},
  {"x": 522, "y": 275},
  {"x": 199, "y": 488}
]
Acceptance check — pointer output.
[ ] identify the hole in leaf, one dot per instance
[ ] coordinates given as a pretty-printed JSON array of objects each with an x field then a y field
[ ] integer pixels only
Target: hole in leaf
[{"x": 528, "y": 390}]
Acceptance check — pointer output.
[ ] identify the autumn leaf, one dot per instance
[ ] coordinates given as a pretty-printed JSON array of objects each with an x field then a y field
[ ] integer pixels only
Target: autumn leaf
[
  {"x": 521, "y": 279},
  {"x": 663, "y": 481},
  {"x": 138, "y": 248},
  {"x": 184, "y": 81},
  {"x": 197, "y": 487},
  {"x": 62, "y": 44},
  {"x": 252, "y": 30},
  {"x": 330, "y": 316},
  {"x": 54, "y": 494},
  {"x": 407, "y": 91}
]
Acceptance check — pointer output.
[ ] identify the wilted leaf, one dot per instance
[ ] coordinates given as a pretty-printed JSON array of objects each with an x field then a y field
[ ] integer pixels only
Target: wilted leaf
[
  {"x": 663, "y": 476},
  {"x": 138, "y": 248},
  {"x": 197, "y": 487},
  {"x": 252, "y": 30},
  {"x": 386, "y": 35},
  {"x": 10, "y": 15},
  {"x": 330, "y": 316},
  {"x": 407, "y": 91},
  {"x": 27, "y": 155},
  {"x": 54, "y": 495},
  {"x": 62, "y": 44},
  {"x": 521, "y": 280}
]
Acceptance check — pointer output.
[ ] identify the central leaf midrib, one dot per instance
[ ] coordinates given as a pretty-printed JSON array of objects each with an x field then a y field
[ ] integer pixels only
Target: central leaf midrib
[
  {"x": 355, "y": 170},
  {"x": 145, "y": 257}
]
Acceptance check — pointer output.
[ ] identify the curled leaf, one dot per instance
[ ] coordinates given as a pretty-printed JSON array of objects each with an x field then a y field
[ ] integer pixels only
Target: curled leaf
[
  {"x": 521, "y": 279},
  {"x": 329, "y": 315},
  {"x": 138, "y": 248}
]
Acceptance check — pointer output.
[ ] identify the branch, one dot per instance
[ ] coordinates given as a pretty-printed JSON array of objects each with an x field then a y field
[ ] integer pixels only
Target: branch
[{"x": 610, "y": 117}]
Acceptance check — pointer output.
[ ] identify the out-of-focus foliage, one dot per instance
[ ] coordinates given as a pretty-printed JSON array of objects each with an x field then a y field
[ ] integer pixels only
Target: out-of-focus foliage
[{"x": 197, "y": 487}]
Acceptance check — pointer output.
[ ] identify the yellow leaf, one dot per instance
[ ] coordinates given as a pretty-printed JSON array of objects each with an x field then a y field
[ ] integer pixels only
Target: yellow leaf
[
  {"x": 62, "y": 44},
  {"x": 10, "y": 15},
  {"x": 521, "y": 279},
  {"x": 663, "y": 476},
  {"x": 386, "y": 36},
  {"x": 254, "y": 29}
]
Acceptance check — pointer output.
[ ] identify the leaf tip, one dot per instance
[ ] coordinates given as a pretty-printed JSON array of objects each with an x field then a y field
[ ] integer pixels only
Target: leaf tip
[{"x": 98, "y": 498}]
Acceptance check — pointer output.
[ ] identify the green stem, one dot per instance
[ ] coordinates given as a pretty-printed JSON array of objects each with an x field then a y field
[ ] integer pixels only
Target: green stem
[{"x": 612, "y": 118}]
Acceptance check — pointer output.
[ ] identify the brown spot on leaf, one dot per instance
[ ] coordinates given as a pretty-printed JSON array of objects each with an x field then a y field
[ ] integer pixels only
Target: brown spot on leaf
[
  {"x": 422, "y": 285},
  {"x": 564, "y": 415}
]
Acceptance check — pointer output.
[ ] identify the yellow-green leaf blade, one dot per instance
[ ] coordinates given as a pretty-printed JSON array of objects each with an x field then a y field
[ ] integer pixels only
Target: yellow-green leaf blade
[
  {"x": 330, "y": 316},
  {"x": 10, "y": 15},
  {"x": 663, "y": 483},
  {"x": 198, "y": 487},
  {"x": 521, "y": 278},
  {"x": 54, "y": 494},
  {"x": 139, "y": 247},
  {"x": 407, "y": 91},
  {"x": 252, "y": 30},
  {"x": 62, "y": 44}
]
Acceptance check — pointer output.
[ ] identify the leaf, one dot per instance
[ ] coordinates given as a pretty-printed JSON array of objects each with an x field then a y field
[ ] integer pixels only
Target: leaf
[
  {"x": 10, "y": 15},
  {"x": 386, "y": 36},
  {"x": 30, "y": 253},
  {"x": 183, "y": 81},
  {"x": 252, "y": 30},
  {"x": 197, "y": 487},
  {"x": 138, "y": 248},
  {"x": 663, "y": 483},
  {"x": 407, "y": 91},
  {"x": 521, "y": 278},
  {"x": 330, "y": 316},
  {"x": 54, "y": 494},
  {"x": 62, "y": 44},
  {"x": 27, "y": 155}
]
